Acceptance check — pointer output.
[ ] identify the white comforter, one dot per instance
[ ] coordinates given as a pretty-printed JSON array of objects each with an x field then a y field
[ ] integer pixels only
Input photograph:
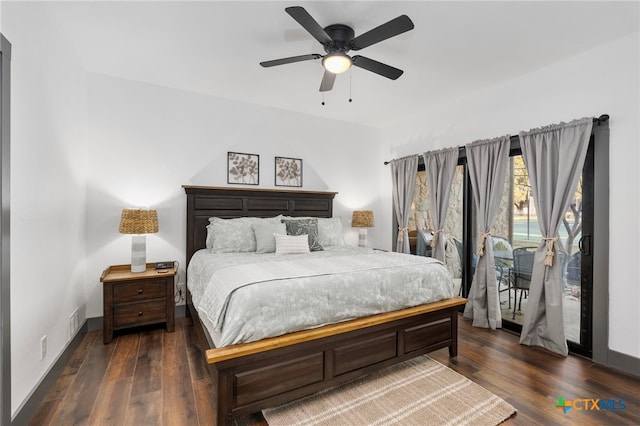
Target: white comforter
[{"x": 243, "y": 297}]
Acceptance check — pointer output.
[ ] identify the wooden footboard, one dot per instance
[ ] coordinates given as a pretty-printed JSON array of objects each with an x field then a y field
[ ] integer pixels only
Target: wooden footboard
[{"x": 253, "y": 376}]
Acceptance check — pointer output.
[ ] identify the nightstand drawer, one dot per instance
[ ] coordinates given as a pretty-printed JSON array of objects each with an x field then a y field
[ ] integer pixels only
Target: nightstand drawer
[
  {"x": 138, "y": 291},
  {"x": 139, "y": 313}
]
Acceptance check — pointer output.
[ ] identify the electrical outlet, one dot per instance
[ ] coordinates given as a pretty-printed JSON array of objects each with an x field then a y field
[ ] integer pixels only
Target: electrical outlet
[
  {"x": 73, "y": 324},
  {"x": 43, "y": 347}
]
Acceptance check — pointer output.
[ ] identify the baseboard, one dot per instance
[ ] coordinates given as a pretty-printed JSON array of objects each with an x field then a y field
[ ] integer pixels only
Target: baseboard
[
  {"x": 625, "y": 363},
  {"x": 181, "y": 311},
  {"x": 94, "y": 324},
  {"x": 30, "y": 407}
]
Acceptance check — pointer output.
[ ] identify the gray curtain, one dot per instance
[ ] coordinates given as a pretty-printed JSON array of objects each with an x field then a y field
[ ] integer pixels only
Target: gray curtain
[
  {"x": 554, "y": 157},
  {"x": 487, "y": 161},
  {"x": 440, "y": 167},
  {"x": 403, "y": 177}
]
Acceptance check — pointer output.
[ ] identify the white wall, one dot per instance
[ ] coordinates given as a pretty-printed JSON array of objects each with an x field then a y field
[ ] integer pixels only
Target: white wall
[
  {"x": 604, "y": 80},
  {"x": 147, "y": 141},
  {"x": 48, "y": 176}
]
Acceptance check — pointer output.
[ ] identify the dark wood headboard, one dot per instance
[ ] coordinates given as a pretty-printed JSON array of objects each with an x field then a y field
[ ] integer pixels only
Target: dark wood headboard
[{"x": 204, "y": 202}]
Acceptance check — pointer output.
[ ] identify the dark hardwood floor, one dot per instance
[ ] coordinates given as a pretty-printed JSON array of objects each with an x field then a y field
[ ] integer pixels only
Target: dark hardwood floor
[{"x": 157, "y": 378}]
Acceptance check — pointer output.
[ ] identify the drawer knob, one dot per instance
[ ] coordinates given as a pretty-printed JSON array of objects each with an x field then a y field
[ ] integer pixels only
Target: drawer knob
[
  {"x": 140, "y": 313},
  {"x": 139, "y": 291}
]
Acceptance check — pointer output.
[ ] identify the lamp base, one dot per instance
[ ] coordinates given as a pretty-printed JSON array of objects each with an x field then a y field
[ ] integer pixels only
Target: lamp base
[
  {"x": 362, "y": 237},
  {"x": 138, "y": 253}
]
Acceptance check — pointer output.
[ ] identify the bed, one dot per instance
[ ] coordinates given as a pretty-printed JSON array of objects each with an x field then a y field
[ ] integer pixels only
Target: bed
[{"x": 267, "y": 371}]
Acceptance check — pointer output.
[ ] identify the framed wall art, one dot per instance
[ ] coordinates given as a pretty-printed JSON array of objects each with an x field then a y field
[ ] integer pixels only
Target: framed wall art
[
  {"x": 288, "y": 171},
  {"x": 243, "y": 168}
]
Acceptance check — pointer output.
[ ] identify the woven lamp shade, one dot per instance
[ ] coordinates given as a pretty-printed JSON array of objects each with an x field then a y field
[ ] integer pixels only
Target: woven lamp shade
[
  {"x": 362, "y": 219},
  {"x": 138, "y": 221}
]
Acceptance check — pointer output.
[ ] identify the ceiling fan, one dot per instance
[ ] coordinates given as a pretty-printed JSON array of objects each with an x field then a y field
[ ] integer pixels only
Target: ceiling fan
[{"x": 337, "y": 40}]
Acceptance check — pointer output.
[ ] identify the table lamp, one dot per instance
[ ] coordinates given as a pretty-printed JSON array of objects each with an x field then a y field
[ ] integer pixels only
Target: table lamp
[
  {"x": 362, "y": 219},
  {"x": 138, "y": 222}
]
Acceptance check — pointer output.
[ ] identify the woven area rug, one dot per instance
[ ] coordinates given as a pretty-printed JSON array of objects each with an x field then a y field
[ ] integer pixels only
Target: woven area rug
[{"x": 417, "y": 392}]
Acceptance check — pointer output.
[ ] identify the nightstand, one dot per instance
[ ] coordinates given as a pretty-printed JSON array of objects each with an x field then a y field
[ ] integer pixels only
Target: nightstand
[{"x": 133, "y": 299}]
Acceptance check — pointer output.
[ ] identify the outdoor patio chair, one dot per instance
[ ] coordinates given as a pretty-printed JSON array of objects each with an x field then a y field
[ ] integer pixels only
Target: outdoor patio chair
[
  {"x": 503, "y": 257},
  {"x": 521, "y": 273},
  {"x": 501, "y": 267},
  {"x": 523, "y": 258}
]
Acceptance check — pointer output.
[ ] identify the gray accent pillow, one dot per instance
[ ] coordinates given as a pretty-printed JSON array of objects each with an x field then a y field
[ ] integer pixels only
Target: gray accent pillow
[
  {"x": 265, "y": 241},
  {"x": 305, "y": 226}
]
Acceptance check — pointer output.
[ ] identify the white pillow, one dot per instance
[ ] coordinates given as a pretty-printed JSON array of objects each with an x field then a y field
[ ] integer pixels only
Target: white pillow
[
  {"x": 330, "y": 232},
  {"x": 291, "y": 244},
  {"x": 265, "y": 241},
  {"x": 234, "y": 235}
]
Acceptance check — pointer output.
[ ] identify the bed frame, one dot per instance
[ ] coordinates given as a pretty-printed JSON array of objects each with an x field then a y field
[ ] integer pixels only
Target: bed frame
[{"x": 253, "y": 376}]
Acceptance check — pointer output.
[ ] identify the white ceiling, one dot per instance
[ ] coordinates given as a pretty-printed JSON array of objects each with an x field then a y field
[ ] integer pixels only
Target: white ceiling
[{"x": 214, "y": 48}]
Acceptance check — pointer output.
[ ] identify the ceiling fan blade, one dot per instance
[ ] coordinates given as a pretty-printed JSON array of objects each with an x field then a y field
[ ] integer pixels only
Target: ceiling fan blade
[
  {"x": 308, "y": 23},
  {"x": 327, "y": 81},
  {"x": 290, "y": 60},
  {"x": 390, "y": 29},
  {"x": 376, "y": 67}
]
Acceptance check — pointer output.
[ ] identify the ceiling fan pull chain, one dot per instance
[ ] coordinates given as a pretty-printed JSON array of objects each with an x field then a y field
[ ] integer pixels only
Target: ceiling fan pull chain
[
  {"x": 323, "y": 98},
  {"x": 350, "y": 75}
]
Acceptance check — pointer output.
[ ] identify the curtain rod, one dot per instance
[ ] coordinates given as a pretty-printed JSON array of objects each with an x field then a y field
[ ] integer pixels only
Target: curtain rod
[{"x": 600, "y": 120}]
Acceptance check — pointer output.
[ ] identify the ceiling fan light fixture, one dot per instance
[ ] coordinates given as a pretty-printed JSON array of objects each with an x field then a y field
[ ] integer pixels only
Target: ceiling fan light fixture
[{"x": 336, "y": 63}]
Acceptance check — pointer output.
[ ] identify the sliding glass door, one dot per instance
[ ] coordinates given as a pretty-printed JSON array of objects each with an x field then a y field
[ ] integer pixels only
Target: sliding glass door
[
  {"x": 516, "y": 234},
  {"x": 578, "y": 294}
]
